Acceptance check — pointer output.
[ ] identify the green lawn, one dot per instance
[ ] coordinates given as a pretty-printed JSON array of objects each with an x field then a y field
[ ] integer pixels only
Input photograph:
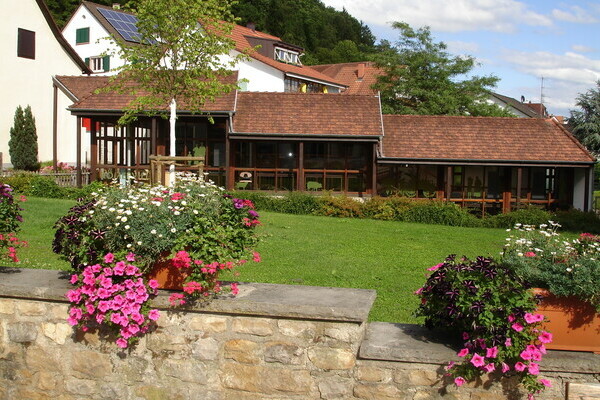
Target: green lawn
[{"x": 390, "y": 257}]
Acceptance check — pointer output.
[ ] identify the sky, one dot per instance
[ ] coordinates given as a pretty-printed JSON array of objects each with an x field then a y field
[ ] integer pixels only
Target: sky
[{"x": 520, "y": 42}]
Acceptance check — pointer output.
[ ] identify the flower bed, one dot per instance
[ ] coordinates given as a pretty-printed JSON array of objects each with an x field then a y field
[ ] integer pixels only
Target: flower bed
[{"x": 10, "y": 218}]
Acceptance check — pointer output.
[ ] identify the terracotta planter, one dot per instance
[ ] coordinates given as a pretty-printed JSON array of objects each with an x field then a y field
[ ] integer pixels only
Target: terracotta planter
[
  {"x": 574, "y": 324},
  {"x": 167, "y": 275}
]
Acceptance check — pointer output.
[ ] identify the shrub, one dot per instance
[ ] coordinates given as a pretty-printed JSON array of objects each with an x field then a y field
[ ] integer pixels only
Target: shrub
[
  {"x": 23, "y": 146},
  {"x": 339, "y": 206},
  {"x": 489, "y": 307},
  {"x": 526, "y": 216},
  {"x": 10, "y": 212},
  {"x": 298, "y": 203},
  {"x": 20, "y": 182},
  {"x": 578, "y": 221},
  {"x": 43, "y": 186},
  {"x": 386, "y": 208},
  {"x": 440, "y": 213}
]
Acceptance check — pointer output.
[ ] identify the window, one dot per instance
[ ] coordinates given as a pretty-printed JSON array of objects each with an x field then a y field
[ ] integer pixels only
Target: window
[
  {"x": 82, "y": 36},
  {"x": 286, "y": 56},
  {"x": 98, "y": 64},
  {"x": 26, "y": 44}
]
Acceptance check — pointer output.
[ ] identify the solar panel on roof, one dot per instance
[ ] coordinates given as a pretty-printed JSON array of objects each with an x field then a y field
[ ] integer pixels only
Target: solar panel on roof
[{"x": 123, "y": 23}]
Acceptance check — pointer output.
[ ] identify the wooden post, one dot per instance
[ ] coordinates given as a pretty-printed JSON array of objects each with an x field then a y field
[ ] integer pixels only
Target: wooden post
[
  {"x": 300, "y": 182},
  {"x": 374, "y": 171},
  {"x": 519, "y": 184},
  {"x": 506, "y": 199},
  {"x": 94, "y": 150},
  {"x": 448, "y": 183},
  {"x": 78, "y": 141},
  {"x": 55, "y": 129},
  {"x": 228, "y": 155}
]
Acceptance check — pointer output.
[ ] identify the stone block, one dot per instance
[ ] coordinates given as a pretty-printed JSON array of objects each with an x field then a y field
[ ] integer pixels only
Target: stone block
[
  {"x": 344, "y": 332},
  {"x": 263, "y": 380},
  {"x": 38, "y": 359},
  {"x": 205, "y": 349},
  {"x": 58, "y": 333},
  {"x": 81, "y": 387},
  {"x": 423, "y": 378},
  {"x": 7, "y": 306},
  {"x": 371, "y": 374},
  {"x": 377, "y": 392},
  {"x": 46, "y": 381},
  {"x": 208, "y": 323},
  {"x": 244, "y": 351},
  {"x": 284, "y": 353},
  {"x": 253, "y": 326},
  {"x": 169, "y": 319},
  {"x": 90, "y": 364},
  {"x": 161, "y": 343},
  {"x": 299, "y": 329},
  {"x": 29, "y": 394},
  {"x": 185, "y": 370},
  {"x": 59, "y": 311},
  {"x": 22, "y": 332},
  {"x": 134, "y": 369},
  {"x": 330, "y": 359},
  {"x": 335, "y": 388},
  {"x": 149, "y": 392},
  {"x": 31, "y": 308}
]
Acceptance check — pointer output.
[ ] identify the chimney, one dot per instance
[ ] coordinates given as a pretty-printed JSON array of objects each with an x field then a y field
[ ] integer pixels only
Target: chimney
[
  {"x": 251, "y": 25},
  {"x": 116, "y": 6},
  {"x": 360, "y": 73}
]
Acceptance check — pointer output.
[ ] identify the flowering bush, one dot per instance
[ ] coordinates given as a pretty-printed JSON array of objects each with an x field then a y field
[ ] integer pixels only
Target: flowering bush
[
  {"x": 488, "y": 306},
  {"x": 10, "y": 218},
  {"x": 113, "y": 294},
  {"x": 60, "y": 167},
  {"x": 548, "y": 260},
  {"x": 196, "y": 225}
]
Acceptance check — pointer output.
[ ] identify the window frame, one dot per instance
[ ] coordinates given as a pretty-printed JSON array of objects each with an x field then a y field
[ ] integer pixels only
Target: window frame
[
  {"x": 79, "y": 34},
  {"x": 26, "y": 43}
]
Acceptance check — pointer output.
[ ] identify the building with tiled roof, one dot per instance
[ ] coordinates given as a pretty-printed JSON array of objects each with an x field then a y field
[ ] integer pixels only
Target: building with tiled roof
[
  {"x": 358, "y": 77},
  {"x": 485, "y": 160},
  {"x": 33, "y": 52}
]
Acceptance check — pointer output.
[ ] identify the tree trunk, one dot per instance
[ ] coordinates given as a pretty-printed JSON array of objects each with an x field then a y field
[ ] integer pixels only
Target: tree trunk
[{"x": 172, "y": 119}]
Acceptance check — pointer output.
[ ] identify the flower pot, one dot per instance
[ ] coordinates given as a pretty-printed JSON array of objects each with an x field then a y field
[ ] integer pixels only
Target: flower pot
[
  {"x": 167, "y": 275},
  {"x": 574, "y": 324}
]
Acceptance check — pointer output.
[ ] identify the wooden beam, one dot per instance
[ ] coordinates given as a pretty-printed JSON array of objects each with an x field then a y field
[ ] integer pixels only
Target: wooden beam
[
  {"x": 300, "y": 182},
  {"x": 519, "y": 184},
  {"x": 374, "y": 171},
  {"x": 94, "y": 151},
  {"x": 448, "y": 183}
]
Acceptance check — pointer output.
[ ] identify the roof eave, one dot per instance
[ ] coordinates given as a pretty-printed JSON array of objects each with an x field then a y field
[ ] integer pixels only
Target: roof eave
[{"x": 488, "y": 162}]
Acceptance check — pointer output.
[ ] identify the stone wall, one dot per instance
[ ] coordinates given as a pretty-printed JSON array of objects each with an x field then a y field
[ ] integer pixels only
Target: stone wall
[{"x": 270, "y": 342}]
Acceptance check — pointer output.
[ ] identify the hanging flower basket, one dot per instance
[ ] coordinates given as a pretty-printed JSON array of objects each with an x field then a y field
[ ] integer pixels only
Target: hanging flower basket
[{"x": 574, "y": 324}]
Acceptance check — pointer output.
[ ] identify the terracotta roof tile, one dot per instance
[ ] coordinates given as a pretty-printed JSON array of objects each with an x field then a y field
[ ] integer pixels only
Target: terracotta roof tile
[
  {"x": 307, "y": 114},
  {"x": 84, "y": 86},
  {"x": 480, "y": 138},
  {"x": 358, "y": 76}
]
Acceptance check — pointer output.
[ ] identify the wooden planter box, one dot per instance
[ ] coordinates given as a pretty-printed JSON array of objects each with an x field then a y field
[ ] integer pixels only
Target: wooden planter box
[{"x": 574, "y": 324}]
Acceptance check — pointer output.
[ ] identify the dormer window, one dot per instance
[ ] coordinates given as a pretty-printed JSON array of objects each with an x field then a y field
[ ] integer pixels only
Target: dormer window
[{"x": 287, "y": 56}]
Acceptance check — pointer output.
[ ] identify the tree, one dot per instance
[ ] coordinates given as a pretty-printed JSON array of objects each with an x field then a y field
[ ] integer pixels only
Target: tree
[
  {"x": 422, "y": 77},
  {"x": 585, "y": 123},
  {"x": 23, "y": 146},
  {"x": 184, "y": 56}
]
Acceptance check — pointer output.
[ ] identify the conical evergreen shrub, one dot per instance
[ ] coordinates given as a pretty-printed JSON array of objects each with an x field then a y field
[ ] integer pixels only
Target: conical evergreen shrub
[{"x": 23, "y": 146}]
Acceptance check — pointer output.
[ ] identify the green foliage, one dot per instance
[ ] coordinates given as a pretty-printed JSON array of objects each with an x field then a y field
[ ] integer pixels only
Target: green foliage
[
  {"x": 10, "y": 212},
  {"x": 488, "y": 305},
  {"x": 527, "y": 216},
  {"x": 31, "y": 184},
  {"x": 439, "y": 213},
  {"x": 548, "y": 260},
  {"x": 422, "y": 77},
  {"x": 585, "y": 122},
  {"x": 180, "y": 61},
  {"x": 387, "y": 208},
  {"x": 578, "y": 221},
  {"x": 63, "y": 9},
  {"x": 23, "y": 146},
  {"x": 339, "y": 206},
  {"x": 290, "y": 203}
]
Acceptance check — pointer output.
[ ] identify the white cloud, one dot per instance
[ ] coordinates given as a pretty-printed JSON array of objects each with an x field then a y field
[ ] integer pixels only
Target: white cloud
[
  {"x": 576, "y": 15},
  {"x": 458, "y": 47},
  {"x": 446, "y": 16},
  {"x": 565, "y": 75},
  {"x": 579, "y": 48}
]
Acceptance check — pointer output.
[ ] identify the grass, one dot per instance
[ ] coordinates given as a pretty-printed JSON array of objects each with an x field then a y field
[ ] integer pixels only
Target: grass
[{"x": 390, "y": 257}]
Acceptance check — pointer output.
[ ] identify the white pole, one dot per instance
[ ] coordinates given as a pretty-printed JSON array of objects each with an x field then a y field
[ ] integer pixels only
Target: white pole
[{"x": 172, "y": 140}]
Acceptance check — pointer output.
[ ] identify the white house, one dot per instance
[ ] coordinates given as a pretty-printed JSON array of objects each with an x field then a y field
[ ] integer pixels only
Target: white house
[
  {"x": 273, "y": 65},
  {"x": 34, "y": 51}
]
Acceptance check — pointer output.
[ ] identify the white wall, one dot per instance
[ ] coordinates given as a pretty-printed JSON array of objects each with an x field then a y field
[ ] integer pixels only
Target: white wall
[
  {"x": 29, "y": 82},
  {"x": 579, "y": 186},
  {"x": 99, "y": 39}
]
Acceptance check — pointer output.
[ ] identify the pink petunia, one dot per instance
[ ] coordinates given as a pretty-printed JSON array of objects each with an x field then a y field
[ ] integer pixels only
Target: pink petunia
[
  {"x": 122, "y": 343},
  {"x": 459, "y": 381},
  {"x": 545, "y": 337},
  {"x": 235, "y": 289},
  {"x": 130, "y": 257},
  {"x": 109, "y": 258},
  {"x": 529, "y": 254},
  {"x": 534, "y": 369},
  {"x": 463, "y": 352},
  {"x": 256, "y": 257},
  {"x": 519, "y": 366},
  {"x": 153, "y": 315},
  {"x": 517, "y": 327},
  {"x": 508, "y": 342},
  {"x": 465, "y": 336},
  {"x": 546, "y": 382},
  {"x": 153, "y": 283},
  {"x": 489, "y": 367},
  {"x": 505, "y": 368},
  {"x": 435, "y": 267},
  {"x": 74, "y": 279},
  {"x": 526, "y": 355},
  {"x": 477, "y": 360},
  {"x": 492, "y": 352}
]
